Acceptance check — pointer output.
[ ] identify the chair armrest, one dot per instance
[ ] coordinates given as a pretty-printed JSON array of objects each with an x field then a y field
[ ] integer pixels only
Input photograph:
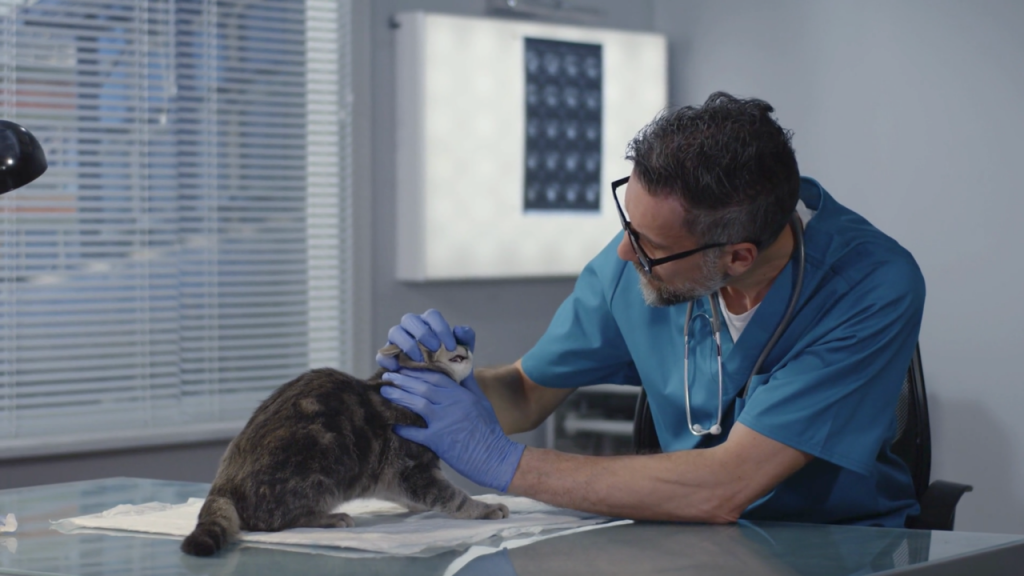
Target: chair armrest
[{"x": 938, "y": 505}]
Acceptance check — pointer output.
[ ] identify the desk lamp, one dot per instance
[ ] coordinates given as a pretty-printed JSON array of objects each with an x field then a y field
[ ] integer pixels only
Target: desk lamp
[{"x": 21, "y": 157}]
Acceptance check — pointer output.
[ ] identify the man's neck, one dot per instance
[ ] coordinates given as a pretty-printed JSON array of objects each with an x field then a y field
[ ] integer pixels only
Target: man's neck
[{"x": 744, "y": 292}]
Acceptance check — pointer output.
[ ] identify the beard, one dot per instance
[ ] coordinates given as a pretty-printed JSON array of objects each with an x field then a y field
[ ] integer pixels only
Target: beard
[{"x": 660, "y": 294}]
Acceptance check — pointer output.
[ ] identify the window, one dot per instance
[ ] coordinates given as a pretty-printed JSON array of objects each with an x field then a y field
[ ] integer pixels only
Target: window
[{"x": 188, "y": 249}]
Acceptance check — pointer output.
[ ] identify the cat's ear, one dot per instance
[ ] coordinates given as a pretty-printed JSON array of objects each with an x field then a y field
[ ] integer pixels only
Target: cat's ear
[{"x": 391, "y": 350}]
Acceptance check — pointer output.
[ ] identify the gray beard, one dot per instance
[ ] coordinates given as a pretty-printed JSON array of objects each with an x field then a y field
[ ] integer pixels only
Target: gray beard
[{"x": 659, "y": 294}]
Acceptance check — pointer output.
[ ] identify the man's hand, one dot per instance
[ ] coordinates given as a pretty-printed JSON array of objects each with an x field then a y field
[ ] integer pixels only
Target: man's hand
[
  {"x": 462, "y": 428},
  {"x": 429, "y": 329}
]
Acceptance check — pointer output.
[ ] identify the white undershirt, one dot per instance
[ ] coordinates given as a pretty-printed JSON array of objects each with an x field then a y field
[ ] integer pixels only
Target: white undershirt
[{"x": 737, "y": 322}]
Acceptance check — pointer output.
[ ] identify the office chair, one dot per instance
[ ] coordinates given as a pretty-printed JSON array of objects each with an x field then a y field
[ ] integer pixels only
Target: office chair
[{"x": 912, "y": 445}]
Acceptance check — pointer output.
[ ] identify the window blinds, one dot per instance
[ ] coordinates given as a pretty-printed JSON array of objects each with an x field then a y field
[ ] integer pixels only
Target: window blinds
[{"x": 188, "y": 249}]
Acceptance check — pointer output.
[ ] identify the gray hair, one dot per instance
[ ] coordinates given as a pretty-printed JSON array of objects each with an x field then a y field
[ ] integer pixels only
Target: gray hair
[{"x": 728, "y": 162}]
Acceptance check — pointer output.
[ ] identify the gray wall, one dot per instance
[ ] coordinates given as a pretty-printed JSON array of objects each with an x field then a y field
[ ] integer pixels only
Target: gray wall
[
  {"x": 508, "y": 316},
  {"x": 910, "y": 113}
]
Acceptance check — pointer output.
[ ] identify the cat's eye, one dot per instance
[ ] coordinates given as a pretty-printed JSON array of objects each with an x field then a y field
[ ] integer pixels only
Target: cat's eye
[{"x": 457, "y": 358}]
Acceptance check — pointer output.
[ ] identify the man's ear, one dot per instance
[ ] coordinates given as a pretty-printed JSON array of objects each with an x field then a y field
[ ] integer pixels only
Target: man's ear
[
  {"x": 740, "y": 257},
  {"x": 391, "y": 350}
]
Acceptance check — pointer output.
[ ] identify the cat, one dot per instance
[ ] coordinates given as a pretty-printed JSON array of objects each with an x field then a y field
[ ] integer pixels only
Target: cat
[{"x": 323, "y": 439}]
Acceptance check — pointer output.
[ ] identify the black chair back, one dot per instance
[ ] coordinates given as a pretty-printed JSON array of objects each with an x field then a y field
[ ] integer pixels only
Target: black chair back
[
  {"x": 645, "y": 437},
  {"x": 913, "y": 440}
]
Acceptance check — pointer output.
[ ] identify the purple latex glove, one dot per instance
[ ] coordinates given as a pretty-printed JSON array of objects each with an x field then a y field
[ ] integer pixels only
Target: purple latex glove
[
  {"x": 461, "y": 425},
  {"x": 429, "y": 329}
]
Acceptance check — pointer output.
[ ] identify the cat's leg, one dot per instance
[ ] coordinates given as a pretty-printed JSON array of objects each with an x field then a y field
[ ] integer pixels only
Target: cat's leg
[
  {"x": 424, "y": 485},
  {"x": 332, "y": 520},
  {"x": 305, "y": 503},
  {"x": 413, "y": 507}
]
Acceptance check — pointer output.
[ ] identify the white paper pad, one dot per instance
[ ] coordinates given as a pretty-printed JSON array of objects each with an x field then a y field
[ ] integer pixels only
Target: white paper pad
[
  {"x": 381, "y": 527},
  {"x": 9, "y": 524}
]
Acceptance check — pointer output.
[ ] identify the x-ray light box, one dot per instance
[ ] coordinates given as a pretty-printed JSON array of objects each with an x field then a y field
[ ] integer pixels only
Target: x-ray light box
[{"x": 508, "y": 135}]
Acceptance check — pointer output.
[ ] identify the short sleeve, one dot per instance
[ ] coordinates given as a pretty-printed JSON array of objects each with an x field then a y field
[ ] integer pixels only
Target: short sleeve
[
  {"x": 836, "y": 397},
  {"x": 583, "y": 345}
]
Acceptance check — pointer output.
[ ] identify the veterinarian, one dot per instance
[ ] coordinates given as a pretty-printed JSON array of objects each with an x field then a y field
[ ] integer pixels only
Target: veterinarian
[{"x": 727, "y": 255}]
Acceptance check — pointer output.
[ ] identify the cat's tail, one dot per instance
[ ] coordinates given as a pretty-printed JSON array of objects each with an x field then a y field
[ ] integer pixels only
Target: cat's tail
[{"x": 218, "y": 525}]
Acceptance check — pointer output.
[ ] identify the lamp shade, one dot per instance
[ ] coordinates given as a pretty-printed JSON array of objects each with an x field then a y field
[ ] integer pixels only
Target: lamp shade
[{"x": 21, "y": 157}]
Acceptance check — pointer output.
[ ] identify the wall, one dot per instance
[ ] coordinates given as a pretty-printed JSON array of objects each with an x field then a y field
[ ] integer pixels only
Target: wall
[
  {"x": 909, "y": 113},
  {"x": 190, "y": 463},
  {"x": 198, "y": 462},
  {"x": 509, "y": 316}
]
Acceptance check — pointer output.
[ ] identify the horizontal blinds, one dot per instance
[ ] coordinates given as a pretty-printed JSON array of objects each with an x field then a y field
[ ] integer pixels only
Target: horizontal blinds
[{"x": 187, "y": 250}]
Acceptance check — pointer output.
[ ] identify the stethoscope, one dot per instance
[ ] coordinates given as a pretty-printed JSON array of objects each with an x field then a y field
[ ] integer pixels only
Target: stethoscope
[{"x": 716, "y": 327}]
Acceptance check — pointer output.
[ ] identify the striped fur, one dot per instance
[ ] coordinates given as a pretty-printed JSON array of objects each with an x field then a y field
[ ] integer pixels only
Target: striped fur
[{"x": 318, "y": 441}]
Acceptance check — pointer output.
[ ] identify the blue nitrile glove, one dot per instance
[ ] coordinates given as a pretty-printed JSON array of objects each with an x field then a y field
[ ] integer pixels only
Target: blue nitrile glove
[
  {"x": 429, "y": 329},
  {"x": 461, "y": 425}
]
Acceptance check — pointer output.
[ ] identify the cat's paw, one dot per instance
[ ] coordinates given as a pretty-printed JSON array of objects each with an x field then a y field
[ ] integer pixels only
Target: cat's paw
[{"x": 493, "y": 512}]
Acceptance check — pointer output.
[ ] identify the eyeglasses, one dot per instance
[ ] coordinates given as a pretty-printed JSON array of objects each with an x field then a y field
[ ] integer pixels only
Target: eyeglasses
[{"x": 646, "y": 262}]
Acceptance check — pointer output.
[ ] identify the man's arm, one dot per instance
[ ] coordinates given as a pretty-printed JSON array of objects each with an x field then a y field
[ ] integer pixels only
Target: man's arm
[
  {"x": 705, "y": 485},
  {"x": 520, "y": 403},
  {"x": 712, "y": 485}
]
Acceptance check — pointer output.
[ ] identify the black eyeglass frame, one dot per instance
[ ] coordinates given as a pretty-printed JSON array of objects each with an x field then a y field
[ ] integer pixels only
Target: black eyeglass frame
[{"x": 646, "y": 262}]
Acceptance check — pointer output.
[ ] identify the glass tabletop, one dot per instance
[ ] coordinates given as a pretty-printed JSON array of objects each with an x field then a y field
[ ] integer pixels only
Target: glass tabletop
[{"x": 749, "y": 548}]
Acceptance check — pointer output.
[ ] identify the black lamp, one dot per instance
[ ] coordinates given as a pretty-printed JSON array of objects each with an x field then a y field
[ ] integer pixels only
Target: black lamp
[{"x": 21, "y": 157}]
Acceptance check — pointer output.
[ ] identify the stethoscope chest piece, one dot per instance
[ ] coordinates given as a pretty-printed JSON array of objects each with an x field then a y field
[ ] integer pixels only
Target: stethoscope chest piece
[{"x": 700, "y": 431}]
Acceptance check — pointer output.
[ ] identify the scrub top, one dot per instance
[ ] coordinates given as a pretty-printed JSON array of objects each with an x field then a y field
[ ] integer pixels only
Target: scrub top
[{"x": 828, "y": 388}]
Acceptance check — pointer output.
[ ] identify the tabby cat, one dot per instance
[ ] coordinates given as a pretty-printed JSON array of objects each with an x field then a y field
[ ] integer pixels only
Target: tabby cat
[{"x": 321, "y": 440}]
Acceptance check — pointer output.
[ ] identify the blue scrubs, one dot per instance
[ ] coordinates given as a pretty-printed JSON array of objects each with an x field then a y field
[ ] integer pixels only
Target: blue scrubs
[{"x": 829, "y": 387}]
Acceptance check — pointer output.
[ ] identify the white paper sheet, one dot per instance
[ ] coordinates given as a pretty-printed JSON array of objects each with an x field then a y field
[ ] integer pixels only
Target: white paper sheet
[
  {"x": 478, "y": 551},
  {"x": 9, "y": 524},
  {"x": 382, "y": 528}
]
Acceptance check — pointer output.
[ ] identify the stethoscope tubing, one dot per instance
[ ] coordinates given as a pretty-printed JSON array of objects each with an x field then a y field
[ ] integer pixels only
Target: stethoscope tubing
[
  {"x": 716, "y": 428},
  {"x": 716, "y": 328}
]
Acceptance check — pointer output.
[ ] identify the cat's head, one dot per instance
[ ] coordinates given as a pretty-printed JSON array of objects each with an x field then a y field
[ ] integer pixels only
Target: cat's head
[{"x": 457, "y": 364}]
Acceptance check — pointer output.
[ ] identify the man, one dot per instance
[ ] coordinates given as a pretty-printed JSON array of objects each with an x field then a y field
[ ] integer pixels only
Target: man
[{"x": 713, "y": 216}]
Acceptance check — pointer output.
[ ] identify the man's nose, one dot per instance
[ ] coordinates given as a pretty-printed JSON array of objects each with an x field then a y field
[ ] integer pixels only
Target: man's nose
[{"x": 625, "y": 250}]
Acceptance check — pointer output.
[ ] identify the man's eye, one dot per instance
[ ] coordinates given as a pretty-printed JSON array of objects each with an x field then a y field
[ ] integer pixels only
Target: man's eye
[{"x": 457, "y": 358}]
